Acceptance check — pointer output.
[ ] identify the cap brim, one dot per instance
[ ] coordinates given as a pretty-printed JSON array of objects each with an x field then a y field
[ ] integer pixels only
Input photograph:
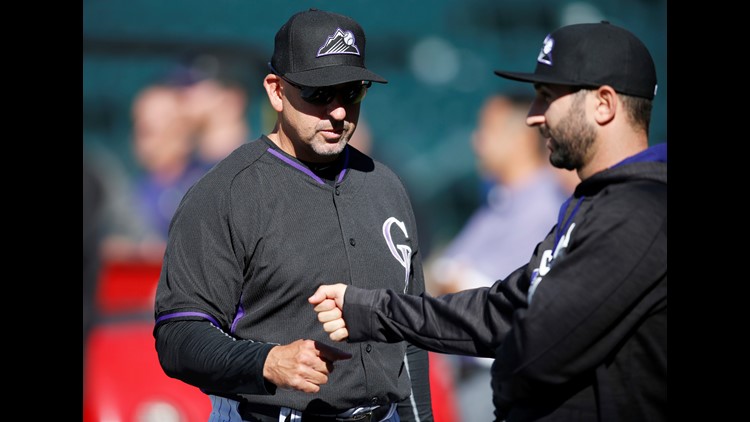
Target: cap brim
[
  {"x": 534, "y": 78},
  {"x": 333, "y": 75}
]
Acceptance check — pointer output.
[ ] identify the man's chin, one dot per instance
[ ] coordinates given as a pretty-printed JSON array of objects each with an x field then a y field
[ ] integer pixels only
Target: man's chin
[{"x": 330, "y": 148}]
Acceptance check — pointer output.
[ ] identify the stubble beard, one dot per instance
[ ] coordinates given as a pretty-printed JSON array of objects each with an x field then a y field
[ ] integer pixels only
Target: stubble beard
[
  {"x": 326, "y": 149},
  {"x": 572, "y": 138}
]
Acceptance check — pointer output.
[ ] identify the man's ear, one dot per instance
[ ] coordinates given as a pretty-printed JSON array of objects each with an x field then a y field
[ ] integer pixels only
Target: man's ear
[
  {"x": 272, "y": 84},
  {"x": 606, "y": 104}
]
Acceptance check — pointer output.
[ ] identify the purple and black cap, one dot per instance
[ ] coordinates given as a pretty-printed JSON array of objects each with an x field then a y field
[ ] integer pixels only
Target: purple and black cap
[
  {"x": 317, "y": 48},
  {"x": 592, "y": 55}
]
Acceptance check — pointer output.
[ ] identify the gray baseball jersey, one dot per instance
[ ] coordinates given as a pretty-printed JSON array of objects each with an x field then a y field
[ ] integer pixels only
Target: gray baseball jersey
[{"x": 255, "y": 237}]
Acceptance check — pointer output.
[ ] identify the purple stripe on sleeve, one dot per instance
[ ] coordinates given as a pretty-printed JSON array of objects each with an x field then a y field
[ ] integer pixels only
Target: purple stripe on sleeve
[
  {"x": 240, "y": 314},
  {"x": 298, "y": 166},
  {"x": 184, "y": 314}
]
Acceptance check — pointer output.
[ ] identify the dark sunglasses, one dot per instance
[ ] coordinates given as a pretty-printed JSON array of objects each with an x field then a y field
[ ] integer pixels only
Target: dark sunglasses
[{"x": 351, "y": 93}]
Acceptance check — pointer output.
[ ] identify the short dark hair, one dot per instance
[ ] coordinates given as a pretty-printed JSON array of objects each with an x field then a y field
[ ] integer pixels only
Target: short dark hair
[{"x": 639, "y": 110}]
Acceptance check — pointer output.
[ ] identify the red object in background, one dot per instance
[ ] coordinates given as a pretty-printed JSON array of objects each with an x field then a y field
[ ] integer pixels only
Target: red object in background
[
  {"x": 444, "y": 407},
  {"x": 124, "y": 382},
  {"x": 127, "y": 287}
]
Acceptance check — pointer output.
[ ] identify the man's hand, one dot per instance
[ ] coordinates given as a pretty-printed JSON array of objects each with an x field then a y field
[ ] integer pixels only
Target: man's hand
[
  {"x": 329, "y": 304},
  {"x": 302, "y": 365}
]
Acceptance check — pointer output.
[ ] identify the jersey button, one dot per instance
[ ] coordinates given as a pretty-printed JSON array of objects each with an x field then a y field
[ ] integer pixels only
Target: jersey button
[
  {"x": 351, "y": 241},
  {"x": 338, "y": 192},
  {"x": 369, "y": 348}
]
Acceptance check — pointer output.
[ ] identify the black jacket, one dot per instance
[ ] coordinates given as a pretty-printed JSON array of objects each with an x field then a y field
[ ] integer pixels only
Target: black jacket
[{"x": 580, "y": 332}]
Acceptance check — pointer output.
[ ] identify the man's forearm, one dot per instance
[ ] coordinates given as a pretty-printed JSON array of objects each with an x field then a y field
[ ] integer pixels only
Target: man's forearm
[{"x": 200, "y": 354}]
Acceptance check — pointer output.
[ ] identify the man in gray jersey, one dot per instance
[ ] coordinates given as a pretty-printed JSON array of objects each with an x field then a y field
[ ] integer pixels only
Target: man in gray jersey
[{"x": 251, "y": 240}]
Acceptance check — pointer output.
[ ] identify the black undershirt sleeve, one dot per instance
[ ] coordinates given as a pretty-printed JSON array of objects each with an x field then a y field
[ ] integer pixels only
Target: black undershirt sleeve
[{"x": 200, "y": 354}]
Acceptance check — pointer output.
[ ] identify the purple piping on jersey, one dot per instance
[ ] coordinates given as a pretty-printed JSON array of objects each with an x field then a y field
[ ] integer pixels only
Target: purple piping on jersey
[
  {"x": 562, "y": 226},
  {"x": 306, "y": 170},
  {"x": 346, "y": 166},
  {"x": 298, "y": 166},
  {"x": 240, "y": 314},
  {"x": 656, "y": 153},
  {"x": 184, "y": 314}
]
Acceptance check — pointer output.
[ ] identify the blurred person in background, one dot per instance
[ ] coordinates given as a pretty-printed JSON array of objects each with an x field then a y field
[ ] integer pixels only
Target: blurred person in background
[
  {"x": 251, "y": 239},
  {"x": 162, "y": 143},
  {"x": 182, "y": 126},
  {"x": 523, "y": 198},
  {"x": 214, "y": 101}
]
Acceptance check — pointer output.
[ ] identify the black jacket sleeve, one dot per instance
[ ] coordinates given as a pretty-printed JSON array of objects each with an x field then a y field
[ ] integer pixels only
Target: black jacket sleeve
[
  {"x": 472, "y": 322},
  {"x": 202, "y": 355}
]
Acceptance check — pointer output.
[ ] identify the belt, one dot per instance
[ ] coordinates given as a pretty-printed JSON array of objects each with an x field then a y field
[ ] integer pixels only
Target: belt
[{"x": 269, "y": 413}]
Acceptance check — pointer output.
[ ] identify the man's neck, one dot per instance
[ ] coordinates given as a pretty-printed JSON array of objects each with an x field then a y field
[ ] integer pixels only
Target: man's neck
[{"x": 606, "y": 155}]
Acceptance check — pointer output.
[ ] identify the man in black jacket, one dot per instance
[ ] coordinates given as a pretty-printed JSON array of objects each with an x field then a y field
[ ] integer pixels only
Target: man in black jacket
[{"x": 580, "y": 332}]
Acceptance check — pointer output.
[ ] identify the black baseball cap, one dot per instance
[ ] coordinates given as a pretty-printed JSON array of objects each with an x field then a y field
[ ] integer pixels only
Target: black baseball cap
[
  {"x": 592, "y": 55},
  {"x": 317, "y": 48}
]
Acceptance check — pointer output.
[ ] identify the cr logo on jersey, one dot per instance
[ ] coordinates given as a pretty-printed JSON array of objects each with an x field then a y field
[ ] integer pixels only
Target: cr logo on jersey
[
  {"x": 548, "y": 257},
  {"x": 402, "y": 253}
]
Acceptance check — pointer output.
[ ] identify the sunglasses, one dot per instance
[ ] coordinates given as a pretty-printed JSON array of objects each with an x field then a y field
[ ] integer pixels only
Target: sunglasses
[{"x": 351, "y": 93}]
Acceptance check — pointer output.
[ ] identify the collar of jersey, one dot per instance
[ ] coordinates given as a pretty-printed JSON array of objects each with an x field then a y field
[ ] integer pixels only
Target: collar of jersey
[{"x": 304, "y": 169}]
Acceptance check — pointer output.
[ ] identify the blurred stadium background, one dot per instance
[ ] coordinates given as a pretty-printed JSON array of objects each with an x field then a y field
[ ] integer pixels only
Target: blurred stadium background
[{"x": 437, "y": 55}]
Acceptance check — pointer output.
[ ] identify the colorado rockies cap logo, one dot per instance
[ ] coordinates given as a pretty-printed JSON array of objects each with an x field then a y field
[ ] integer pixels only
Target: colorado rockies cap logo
[
  {"x": 341, "y": 42},
  {"x": 545, "y": 54}
]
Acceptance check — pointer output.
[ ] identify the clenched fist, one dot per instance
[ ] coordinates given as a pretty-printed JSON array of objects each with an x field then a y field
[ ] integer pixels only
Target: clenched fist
[
  {"x": 302, "y": 365},
  {"x": 329, "y": 304}
]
